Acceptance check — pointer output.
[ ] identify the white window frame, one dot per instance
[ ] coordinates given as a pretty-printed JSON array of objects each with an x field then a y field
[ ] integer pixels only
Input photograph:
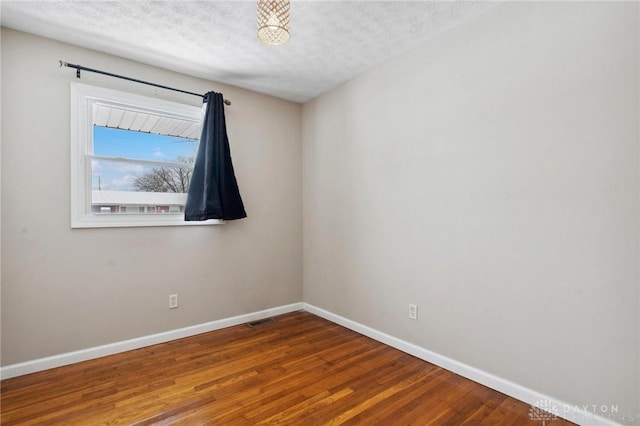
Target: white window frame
[{"x": 83, "y": 99}]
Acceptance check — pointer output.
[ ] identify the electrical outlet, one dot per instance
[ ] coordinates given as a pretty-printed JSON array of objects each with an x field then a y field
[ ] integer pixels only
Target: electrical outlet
[
  {"x": 413, "y": 311},
  {"x": 173, "y": 301}
]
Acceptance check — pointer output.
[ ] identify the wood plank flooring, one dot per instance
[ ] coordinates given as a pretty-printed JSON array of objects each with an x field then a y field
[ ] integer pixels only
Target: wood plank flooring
[{"x": 297, "y": 370}]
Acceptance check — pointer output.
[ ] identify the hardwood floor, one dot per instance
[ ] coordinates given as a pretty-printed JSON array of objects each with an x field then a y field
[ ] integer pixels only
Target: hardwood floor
[{"x": 298, "y": 370}]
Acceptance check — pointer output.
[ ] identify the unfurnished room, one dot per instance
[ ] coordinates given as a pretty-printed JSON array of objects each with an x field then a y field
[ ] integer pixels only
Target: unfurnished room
[{"x": 320, "y": 213}]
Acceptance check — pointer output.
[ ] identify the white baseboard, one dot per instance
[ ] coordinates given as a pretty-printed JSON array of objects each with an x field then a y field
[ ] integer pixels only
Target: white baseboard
[
  {"x": 140, "y": 342},
  {"x": 562, "y": 409},
  {"x": 567, "y": 411}
]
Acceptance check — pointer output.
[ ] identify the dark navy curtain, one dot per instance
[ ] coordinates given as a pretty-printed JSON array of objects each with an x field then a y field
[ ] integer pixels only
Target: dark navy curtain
[{"x": 213, "y": 192}]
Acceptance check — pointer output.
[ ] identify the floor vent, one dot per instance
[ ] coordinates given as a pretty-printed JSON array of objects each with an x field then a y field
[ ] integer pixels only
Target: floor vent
[{"x": 260, "y": 322}]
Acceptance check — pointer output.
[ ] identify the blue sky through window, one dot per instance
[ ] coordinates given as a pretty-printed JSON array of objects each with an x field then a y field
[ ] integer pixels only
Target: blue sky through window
[
  {"x": 120, "y": 176},
  {"x": 141, "y": 146}
]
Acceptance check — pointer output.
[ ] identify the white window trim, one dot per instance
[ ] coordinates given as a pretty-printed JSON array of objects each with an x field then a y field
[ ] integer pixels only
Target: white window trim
[{"x": 83, "y": 98}]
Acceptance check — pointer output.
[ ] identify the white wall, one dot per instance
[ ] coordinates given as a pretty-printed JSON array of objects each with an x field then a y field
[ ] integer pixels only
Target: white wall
[
  {"x": 64, "y": 289},
  {"x": 490, "y": 176}
]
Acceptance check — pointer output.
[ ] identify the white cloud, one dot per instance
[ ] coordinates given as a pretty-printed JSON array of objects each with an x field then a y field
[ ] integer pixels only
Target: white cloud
[
  {"x": 122, "y": 184},
  {"x": 133, "y": 168}
]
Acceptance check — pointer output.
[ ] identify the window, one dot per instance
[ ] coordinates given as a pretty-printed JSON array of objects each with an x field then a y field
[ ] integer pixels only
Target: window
[{"x": 131, "y": 158}]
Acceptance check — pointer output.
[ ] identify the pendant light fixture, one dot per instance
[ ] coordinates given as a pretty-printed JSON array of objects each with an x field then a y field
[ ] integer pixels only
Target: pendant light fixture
[{"x": 273, "y": 21}]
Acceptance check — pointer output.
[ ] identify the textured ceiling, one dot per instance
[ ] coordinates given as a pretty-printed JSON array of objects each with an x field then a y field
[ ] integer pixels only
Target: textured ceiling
[{"x": 331, "y": 41}]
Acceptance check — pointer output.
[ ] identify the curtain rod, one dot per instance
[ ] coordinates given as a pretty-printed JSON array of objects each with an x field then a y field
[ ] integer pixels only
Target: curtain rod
[{"x": 81, "y": 68}]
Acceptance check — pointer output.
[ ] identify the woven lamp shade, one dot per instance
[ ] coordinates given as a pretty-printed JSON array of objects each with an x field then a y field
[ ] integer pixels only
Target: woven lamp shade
[{"x": 273, "y": 21}]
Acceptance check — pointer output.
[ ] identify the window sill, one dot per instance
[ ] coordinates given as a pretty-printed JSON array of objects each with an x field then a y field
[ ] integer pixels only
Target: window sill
[{"x": 134, "y": 221}]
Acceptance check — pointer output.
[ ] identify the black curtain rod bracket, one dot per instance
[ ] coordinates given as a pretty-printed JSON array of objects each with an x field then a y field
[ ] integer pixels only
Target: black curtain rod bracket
[{"x": 79, "y": 68}]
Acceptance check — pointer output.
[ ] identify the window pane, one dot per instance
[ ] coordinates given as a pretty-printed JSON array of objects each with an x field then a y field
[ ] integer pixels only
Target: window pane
[
  {"x": 110, "y": 142},
  {"x": 129, "y": 176},
  {"x": 130, "y": 188}
]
